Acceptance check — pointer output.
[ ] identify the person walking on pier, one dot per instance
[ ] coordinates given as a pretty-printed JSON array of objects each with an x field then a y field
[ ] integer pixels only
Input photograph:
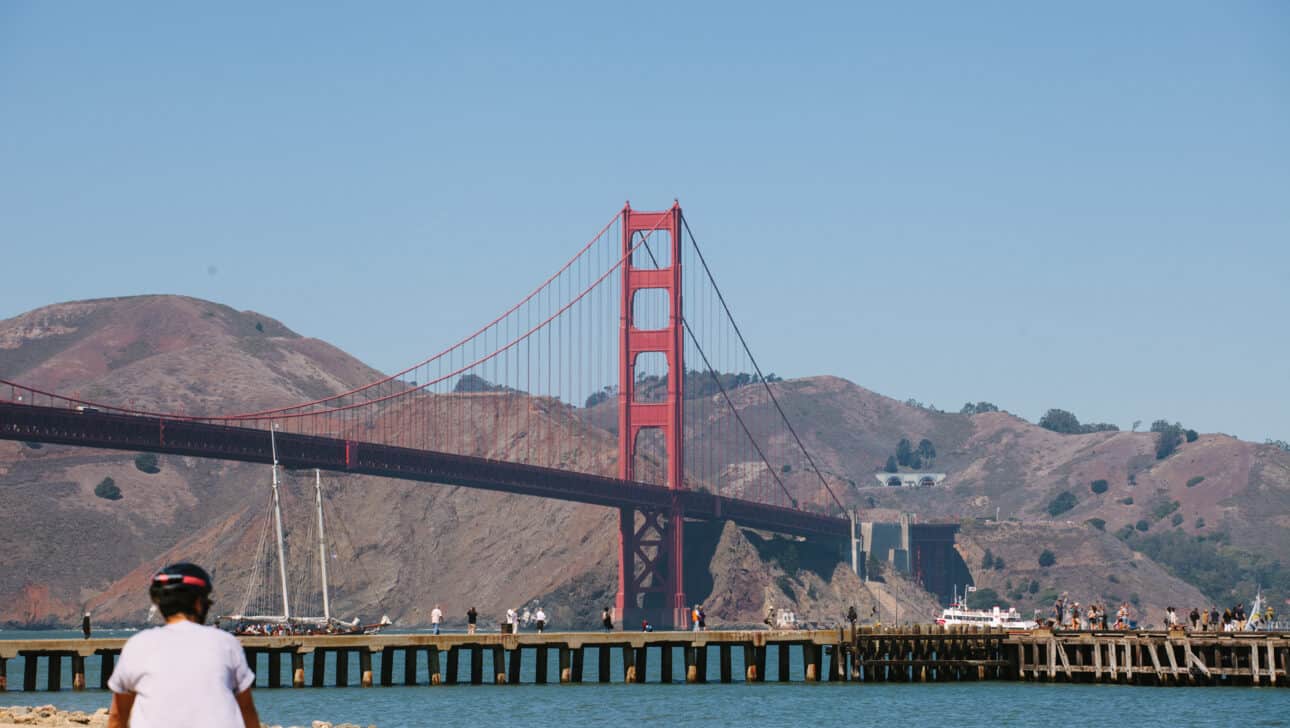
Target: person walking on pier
[
  {"x": 472, "y": 619},
  {"x": 436, "y": 616},
  {"x": 182, "y": 672},
  {"x": 512, "y": 621},
  {"x": 1194, "y": 618},
  {"x": 85, "y": 625},
  {"x": 607, "y": 620},
  {"x": 539, "y": 620}
]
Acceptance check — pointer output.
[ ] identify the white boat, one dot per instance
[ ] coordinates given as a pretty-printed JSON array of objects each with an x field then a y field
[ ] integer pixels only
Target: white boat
[{"x": 958, "y": 613}]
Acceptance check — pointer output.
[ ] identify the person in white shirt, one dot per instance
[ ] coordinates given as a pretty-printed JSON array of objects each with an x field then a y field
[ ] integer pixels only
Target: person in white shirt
[
  {"x": 436, "y": 616},
  {"x": 182, "y": 673},
  {"x": 511, "y": 624},
  {"x": 539, "y": 618}
]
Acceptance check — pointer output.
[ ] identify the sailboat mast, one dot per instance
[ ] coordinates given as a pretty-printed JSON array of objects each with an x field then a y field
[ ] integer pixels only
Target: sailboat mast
[
  {"x": 277, "y": 519},
  {"x": 322, "y": 543}
]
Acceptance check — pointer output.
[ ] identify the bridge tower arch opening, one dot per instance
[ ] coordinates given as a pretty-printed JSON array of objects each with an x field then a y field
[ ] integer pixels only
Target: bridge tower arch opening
[{"x": 651, "y": 542}]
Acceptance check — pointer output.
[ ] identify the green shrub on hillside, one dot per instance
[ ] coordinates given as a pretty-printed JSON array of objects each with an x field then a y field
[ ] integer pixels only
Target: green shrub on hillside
[
  {"x": 1177, "y": 519},
  {"x": 1164, "y": 508},
  {"x": 1063, "y": 502},
  {"x": 1192, "y": 435},
  {"x": 1047, "y": 559},
  {"x": 1099, "y": 486},
  {"x": 1127, "y": 500},
  {"x": 1142, "y": 525},
  {"x": 107, "y": 490},
  {"x": 146, "y": 462},
  {"x": 1097, "y": 523},
  {"x": 1193, "y": 482}
]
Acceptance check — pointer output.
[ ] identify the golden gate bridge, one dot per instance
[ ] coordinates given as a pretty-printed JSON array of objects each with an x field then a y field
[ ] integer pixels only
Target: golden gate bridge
[{"x": 617, "y": 382}]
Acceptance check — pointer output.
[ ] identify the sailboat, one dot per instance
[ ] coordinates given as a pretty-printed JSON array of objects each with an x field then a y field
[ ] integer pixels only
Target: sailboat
[{"x": 287, "y": 622}]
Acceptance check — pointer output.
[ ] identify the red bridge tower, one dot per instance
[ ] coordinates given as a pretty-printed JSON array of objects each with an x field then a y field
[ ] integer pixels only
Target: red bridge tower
[{"x": 650, "y": 542}]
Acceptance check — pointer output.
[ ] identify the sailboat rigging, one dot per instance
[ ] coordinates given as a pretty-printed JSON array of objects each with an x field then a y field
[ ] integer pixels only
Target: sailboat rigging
[{"x": 246, "y": 622}]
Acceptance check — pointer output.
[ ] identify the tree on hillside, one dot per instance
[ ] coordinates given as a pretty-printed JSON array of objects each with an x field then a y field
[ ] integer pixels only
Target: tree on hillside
[
  {"x": 1047, "y": 559},
  {"x": 926, "y": 450},
  {"x": 1063, "y": 502},
  {"x": 985, "y": 599},
  {"x": 108, "y": 490},
  {"x": 978, "y": 408},
  {"x": 1192, "y": 435},
  {"x": 987, "y": 561},
  {"x": 892, "y": 466},
  {"x": 1167, "y": 439},
  {"x": 1059, "y": 420},
  {"x": 904, "y": 450},
  {"x": 146, "y": 462}
]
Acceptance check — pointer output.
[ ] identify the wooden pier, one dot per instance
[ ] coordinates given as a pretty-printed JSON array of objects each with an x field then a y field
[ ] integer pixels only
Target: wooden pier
[{"x": 864, "y": 655}]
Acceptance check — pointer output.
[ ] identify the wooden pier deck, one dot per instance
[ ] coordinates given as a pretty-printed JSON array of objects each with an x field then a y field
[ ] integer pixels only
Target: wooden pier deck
[{"x": 865, "y": 655}]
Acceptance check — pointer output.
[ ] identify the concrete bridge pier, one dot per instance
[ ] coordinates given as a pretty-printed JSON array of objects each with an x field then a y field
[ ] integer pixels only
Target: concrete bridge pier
[
  {"x": 275, "y": 669},
  {"x": 410, "y": 666},
  {"x": 319, "y": 668},
  {"x": 4, "y": 681},
  {"x": 78, "y": 672},
  {"x": 727, "y": 669},
  {"x": 454, "y": 655},
  {"x": 579, "y": 659},
  {"x": 543, "y": 662},
  {"x": 602, "y": 663},
  {"x": 476, "y": 665},
  {"x": 436, "y": 676},
  {"x": 297, "y": 669},
  {"x": 365, "y": 668},
  {"x": 565, "y": 677},
  {"x": 629, "y": 664}
]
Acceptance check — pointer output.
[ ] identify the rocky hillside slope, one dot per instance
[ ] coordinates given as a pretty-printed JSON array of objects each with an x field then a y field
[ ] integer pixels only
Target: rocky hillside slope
[{"x": 1216, "y": 510}]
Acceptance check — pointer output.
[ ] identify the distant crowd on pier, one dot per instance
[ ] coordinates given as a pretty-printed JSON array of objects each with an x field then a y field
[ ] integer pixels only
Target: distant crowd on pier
[{"x": 1068, "y": 614}]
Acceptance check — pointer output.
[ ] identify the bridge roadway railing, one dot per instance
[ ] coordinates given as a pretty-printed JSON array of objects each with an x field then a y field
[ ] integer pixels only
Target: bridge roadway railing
[
  {"x": 867, "y": 654},
  {"x": 139, "y": 433}
]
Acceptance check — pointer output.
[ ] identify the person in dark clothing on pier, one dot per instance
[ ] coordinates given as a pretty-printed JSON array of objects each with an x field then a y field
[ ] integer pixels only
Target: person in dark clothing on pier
[
  {"x": 852, "y": 617},
  {"x": 85, "y": 625},
  {"x": 607, "y": 620},
  {"x": 472, "y": 619}
]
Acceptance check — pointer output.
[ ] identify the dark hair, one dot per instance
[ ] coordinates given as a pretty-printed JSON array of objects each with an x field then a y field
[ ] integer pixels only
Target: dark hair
[{"x": 176, "y": 588}]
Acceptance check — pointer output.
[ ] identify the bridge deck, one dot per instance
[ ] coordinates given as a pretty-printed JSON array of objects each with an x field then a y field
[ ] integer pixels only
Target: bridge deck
[{"x": 204, "y": 439}]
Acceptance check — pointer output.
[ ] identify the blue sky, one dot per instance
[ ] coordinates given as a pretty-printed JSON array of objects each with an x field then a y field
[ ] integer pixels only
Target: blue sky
[{"x": 1084, "y": 207}]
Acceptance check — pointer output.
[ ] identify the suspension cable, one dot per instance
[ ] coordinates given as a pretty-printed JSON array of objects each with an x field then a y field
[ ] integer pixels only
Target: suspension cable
[{"x": 760, "y": 376}]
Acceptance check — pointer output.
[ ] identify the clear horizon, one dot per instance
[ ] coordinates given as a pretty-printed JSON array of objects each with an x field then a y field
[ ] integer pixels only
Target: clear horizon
[{"x": 1080, "y": 208}]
